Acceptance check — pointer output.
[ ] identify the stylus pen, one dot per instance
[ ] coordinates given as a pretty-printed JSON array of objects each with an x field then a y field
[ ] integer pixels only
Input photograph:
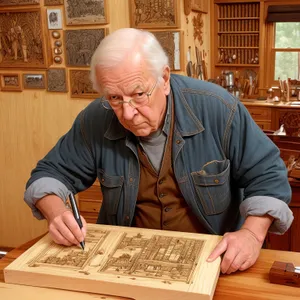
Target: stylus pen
[{"x": 76, "y": 215}]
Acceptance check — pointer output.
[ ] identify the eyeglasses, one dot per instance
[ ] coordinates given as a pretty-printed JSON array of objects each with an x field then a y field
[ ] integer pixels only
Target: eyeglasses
[{"x": 137, "y": 100}]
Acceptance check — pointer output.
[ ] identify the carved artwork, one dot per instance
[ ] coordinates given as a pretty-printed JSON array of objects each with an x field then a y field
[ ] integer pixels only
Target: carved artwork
[
  {"x": 57, "y": 81},
  {"x": 291, "y": 122},
  {"x": 198, "y": 26},
  {"x": 81, "y": 45},
  {"x": 10, "y": 82},
  {"x": 200, "y": 5},
  {"x": 85, "y": 12},
  {"x": 81, "y": 85},
  {"x": 54, "y": 19},
  {"x": 171, "y": 43},
  {"x": 18, "y": 2},
  {"x": 21, "y": 40},
  {"x": 154, "y": 14},
  {"x": 54, "y": 2},
  {"x": 34, "y": 81},
  {"x": 136, "y": 263}
]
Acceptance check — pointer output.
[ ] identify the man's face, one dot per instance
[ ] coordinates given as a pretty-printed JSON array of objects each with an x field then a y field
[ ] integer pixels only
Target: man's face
[{"x": 124, "y": 82}]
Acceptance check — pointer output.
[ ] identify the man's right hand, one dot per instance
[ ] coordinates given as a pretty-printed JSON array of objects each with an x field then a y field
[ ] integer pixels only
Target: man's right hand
[{"x": 63, "y": 227}]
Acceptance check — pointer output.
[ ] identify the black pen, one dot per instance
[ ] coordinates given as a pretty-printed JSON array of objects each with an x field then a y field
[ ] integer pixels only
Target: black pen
[{"x": 76, "y": 215}]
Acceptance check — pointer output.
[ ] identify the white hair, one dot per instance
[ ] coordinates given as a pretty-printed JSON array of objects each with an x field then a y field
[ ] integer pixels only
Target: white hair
[{"x": 114, "y": 48}]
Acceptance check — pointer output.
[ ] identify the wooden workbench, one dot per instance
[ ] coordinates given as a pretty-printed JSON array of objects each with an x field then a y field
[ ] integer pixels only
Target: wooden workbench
[{"x": 248, "y": 285}]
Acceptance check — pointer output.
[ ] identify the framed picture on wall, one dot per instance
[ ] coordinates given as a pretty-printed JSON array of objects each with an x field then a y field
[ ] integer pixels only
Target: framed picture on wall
[
  {"x": 54, "y": 19},
  {"x": 171, "y": 42},
  {"x": 86, "y": 12},
  {"x": 81, "y": 85},
  {"x": 81, "y": 45},
  {"x": 154, "y": 14},
  {"x": 57, "y": 80},
  {"x": 11, "y": 82},
  {"x": 18, "y": 2},
  {"x": 22, "y": 39},
  {"x": 34, "y": 81}
]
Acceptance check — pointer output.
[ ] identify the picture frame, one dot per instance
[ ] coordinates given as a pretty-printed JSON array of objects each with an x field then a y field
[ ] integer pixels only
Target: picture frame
[
  {"x": 34, "y": 81},
  {"x": 81, "y": 85},
  {"x": 25, "y": 43},
  {"x": 10, "y": 82},
  {"x": 80, "y": 45},
  {"x": 57, "y": 80},
  {"x": 90, "y": 12},
  {"x": 200, "y": 6},
  {"x": 4, "y": 3},
  {"x": 53, "y": 2},
  {"x": 154, "y": 14},
  {"x": 54, "y": 18},
  {"x": 172, "y": 43}
]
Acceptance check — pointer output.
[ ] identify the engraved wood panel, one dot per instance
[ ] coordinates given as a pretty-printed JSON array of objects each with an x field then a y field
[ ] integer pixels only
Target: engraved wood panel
[
  {"x": 57, "y": 81},
  {"x": 154, "y": 14},
  {"x": 22, "y": 39},
  {"x": 171, "y": 42},
  {"x": 200, "y": 5},
  {"x": 142, "y": 264},
  {"x": 81, "y": 85},
  {"x": 18, "y": 2},
  {"x": 11, "y": 82},
  {"x": 34, "y": 81},
  {"x": 85, "y": 12},
  {"x": 81, "y": 45}
]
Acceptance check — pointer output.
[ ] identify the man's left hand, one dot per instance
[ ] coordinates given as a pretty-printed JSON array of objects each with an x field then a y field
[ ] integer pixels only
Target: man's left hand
[{"x": 241, "y": 249}]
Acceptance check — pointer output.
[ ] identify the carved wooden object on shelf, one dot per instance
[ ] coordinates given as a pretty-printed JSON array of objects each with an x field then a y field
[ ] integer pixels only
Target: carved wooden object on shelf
[
  {"x": 18, "y": 2},
  {"x": 81, "y": 85},
  {"x": 81, "y": 44},
  {"x": 57, "y": 81},
  {"x": 154, "y": 14},
  {"x": 34, "y": 81},
  {"x": 172, "y": 44},
  {"x": 11, "y": 82},
  {"x": 22, "y": 39},
  {"x": 85, "y": 12},
  {"x": 137, "y": 263}
]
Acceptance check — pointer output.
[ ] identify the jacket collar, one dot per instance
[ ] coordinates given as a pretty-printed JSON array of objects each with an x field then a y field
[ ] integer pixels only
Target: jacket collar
[{"x": 186, "y": 121}]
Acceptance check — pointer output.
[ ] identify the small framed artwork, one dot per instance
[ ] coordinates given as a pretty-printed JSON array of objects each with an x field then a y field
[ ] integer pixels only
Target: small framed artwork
[
  {"x": 81, "y": 45},
  {"x": 200, "y": 5},
  {"x": 34, "y": 81},
  {"x": 53, "y": 2},
  {"x": 54, "y": 19},
  {"x": 89, "y": 12},
  {"x": 171, "y": 42},
  {"x": 154, "y": 14},
  {"x": 18, "y": 2},
  {"x": 57, "y": 80},
  {"x": 81, "y": 85},
  {"x": 11, "y": 82}
]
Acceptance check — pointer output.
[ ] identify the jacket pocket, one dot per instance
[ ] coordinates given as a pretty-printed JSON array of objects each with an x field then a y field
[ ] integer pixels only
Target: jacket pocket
[
  {"x": 212, "y": 185},
  {"x": 111, "y": 187}
]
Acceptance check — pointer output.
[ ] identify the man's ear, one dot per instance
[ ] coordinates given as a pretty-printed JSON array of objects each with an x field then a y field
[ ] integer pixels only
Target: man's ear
[{"x": 166, "y": 78}]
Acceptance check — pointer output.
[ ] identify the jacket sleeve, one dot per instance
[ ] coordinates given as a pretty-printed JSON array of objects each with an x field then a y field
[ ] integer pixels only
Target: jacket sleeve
[
  {"x": 71, "y": 160},
  {"x": 257, "y": 167}
]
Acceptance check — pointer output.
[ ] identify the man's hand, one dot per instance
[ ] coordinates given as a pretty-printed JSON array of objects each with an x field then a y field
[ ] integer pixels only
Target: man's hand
[
  {"x": 242, "y": 247},
  {"x": 63, "y": 227}
]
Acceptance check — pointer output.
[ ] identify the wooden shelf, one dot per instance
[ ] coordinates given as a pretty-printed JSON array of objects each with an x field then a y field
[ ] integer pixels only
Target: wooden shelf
[
  {"x": 237, "y": 65},
  {"x": 240, "y": 18},
  {"x": 238, "y": 47},
  {"x": 238, "y": 32}
]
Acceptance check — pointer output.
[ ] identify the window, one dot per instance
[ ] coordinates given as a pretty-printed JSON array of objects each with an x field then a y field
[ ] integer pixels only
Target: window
[{"x": 286, "y": 50}]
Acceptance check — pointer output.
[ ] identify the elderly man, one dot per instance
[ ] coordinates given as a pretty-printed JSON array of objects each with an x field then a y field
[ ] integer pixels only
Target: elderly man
[{"x": 171, "y": 153}]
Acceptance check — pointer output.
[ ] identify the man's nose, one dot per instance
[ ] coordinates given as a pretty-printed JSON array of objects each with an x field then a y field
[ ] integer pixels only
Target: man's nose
[{"x": 128, "y": 110}]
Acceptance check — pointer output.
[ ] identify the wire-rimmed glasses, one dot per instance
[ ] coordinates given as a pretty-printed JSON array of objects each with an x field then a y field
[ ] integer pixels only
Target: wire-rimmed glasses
[{"x": 137, "y": 100}]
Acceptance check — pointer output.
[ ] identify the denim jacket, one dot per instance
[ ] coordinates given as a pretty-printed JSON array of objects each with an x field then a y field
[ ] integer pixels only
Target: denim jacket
[{"x": 224, "y": 164}]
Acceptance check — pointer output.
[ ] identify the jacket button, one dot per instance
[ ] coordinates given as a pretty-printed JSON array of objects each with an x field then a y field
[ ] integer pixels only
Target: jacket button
[
  {"x": 162, "y": 195},
  {"x": 161, "y": 181},
  {"x": 130, "y": 179},
  {"x": 167, "y": 209},
  {"x": 178, "y": 142},
  {"x": 216, "y": 181},
  {"x": 102, "y": 179}
]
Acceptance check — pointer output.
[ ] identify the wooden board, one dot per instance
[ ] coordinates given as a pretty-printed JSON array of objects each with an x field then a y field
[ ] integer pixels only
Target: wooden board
[{"x": 137, "y": 263}]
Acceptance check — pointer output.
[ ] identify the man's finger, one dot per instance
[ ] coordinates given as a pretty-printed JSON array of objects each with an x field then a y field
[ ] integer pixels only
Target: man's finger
[
  {"x": 228, "y": 258},
  {"x": 74, "y": 229},
  {"x": 58, "y": 238},
  {"x": 219, "y": 249},
  {"x": 83, "y": 229},
  {"x": 237, "y": 262}
]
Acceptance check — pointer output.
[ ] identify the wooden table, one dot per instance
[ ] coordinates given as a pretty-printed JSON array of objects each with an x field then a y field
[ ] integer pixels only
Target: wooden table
[{"x": 251, "y": 284}]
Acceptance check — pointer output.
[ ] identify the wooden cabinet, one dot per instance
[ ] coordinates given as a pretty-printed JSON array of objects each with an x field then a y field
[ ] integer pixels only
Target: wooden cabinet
[{"x": 262, "y": 116}]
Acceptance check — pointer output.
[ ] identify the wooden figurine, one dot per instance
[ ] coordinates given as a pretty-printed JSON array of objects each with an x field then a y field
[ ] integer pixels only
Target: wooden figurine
[
  {"x": 137, "y": 263},
  {"x": 285, "y": 273}
]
